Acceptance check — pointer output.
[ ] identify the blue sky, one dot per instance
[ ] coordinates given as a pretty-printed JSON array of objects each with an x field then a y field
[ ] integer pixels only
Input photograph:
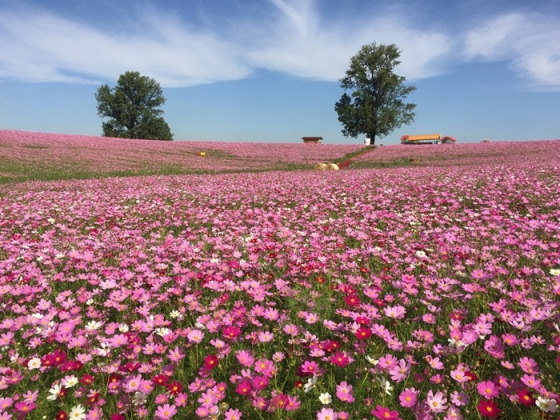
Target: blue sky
[{"x": 269, "y": 70}]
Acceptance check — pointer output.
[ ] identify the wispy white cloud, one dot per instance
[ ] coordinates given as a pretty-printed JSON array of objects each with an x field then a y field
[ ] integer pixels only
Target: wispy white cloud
[
  {"x": 299, "y": 42},
  {"x": 43, "y": 47},
  {"x": 295, "y": 37},
  {"x": 529, "y": 41}
]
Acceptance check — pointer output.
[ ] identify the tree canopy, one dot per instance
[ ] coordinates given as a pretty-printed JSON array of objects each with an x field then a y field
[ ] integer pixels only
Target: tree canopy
[
  {"x": 375, "y": 106},
  {"x": 132, "y": 108}
]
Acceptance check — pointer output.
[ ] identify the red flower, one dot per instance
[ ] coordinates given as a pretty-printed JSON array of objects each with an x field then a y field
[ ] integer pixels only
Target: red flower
[
  {"x": 174, "y": 387},
  {"x": 363, "y": 333},
  {"x": 115, "y": 377},
  {"x": 352, "y": 300},
  {"x": 525, "y": 397},
  {"x": 61, "y": 416},
  {"x": 87, "y": 379},
  {"x": 244, "y": 387},
  {"x": 488, "y": 408},
  {"x": 160, "y": 380},
  {"x": 362, "y": 320},
  {"x": 472, "y": 377},
  {"x": 210, "y": 361},
  {"x": 130, "y": 367},
  {"x": 93, "y": 398},
  {"x": 117, "y": 417}
]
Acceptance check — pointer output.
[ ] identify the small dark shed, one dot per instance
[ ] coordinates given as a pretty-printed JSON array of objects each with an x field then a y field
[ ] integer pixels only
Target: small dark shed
[{"x": 312, "y": 140}]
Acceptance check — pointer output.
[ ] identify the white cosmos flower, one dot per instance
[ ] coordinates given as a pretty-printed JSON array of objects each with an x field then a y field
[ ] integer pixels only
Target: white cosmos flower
[
  {"x": 34, "y": 363},
  {"x": 70, "y": 381},
  {"x": 54, "y": 392},
  {"x": 310, "y": 384},
  {"x": 548, "y": 405},
  {"x": 325, "y": 398},
  {"x": 78, "y": 413},
  {"x": 93, "y": 325},
  {"x": 372, "y": 360},
  {"x": 386, "y": 386},
  {"x": 162, "y": 332}
]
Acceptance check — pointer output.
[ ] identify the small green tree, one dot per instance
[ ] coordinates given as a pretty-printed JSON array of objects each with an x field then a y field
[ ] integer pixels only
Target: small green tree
[
  {"x": 132, "y": 107},
  {"x": 375, "y": 107}
]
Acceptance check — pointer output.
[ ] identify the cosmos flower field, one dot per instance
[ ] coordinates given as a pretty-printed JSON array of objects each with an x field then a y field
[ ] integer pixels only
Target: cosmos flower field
[{"x": 427, "y": 291}]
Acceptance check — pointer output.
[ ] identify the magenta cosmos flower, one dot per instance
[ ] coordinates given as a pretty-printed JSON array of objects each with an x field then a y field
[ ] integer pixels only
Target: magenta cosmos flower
[{"x": 385, "y": 414}]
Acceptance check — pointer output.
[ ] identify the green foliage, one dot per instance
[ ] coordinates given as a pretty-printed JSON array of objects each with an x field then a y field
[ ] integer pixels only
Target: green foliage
[
  {"x": 132, "y": 107},
  {"x": 375, "y": 105}
]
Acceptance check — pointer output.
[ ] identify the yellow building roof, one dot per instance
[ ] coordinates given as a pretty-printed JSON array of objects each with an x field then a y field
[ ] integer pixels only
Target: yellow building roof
[{"x": 424, "y": 137}]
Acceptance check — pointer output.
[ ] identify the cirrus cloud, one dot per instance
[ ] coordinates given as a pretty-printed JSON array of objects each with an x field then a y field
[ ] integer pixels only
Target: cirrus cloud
[
  {"x": 294, "y": 37},
  {"x": 529, "y": 41}
]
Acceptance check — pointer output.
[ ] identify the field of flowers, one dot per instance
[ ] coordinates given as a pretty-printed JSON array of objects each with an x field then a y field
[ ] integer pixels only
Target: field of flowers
[
  {"x": 459, "y": 154},
  {"x": 41, "y": 156},
  {"x": 429, "y": 292}
]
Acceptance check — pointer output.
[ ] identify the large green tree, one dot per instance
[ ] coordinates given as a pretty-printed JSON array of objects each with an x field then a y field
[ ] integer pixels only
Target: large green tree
[
  {"x": 132, "y": 108},
  {"x": 375, "y": 106}
]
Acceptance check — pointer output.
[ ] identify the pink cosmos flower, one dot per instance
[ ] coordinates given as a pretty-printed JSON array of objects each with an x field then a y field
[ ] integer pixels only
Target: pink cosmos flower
[
  {"x": 400, "y": 371},
  {"x": 293, "y": 403},
  {"x": 208, "y": 399},
  {"x": 437, "y": 402},
  {"x": 459, "y": 375},
  {"x": 459, "y": 398},
  {"x": 265, "y": 336},
  {"x": 487, "y": 389},
  {"x": 176, "y": 355},
  {"x": 344, "y": 392},
  {"x": 291, "y": 329},
  {"x": 388, "y": 361},
  {"x": 181, "y": 399},
  {"x": 510, "y": 339},
  {"x": 435, "y": 362},
  {"x": 25, "y": 407},
  {"x": 233, "y": 414},
  {"x": 495, "y": 347},
  {"x": 265, "y": 367},
  {"x": 133, "y": 384},
  {"x": 408, "y": 397},
  {"x": 326, "y": 414},
  {"x": 309, "y": 367},
  {"x": 4, "y": 415},
  {"x": 531, "y": 381},
  {"x": 395, "y": 312},
  {"x": 195, "y": 336},
  {"x": 260, "y": 382},
  {"x": 528, "y": 365},
  {"x": 245, "y": 358}
]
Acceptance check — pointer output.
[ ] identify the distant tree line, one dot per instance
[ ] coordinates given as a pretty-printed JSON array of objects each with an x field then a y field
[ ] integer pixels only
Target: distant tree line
[{"x": 372, "y": 103}]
